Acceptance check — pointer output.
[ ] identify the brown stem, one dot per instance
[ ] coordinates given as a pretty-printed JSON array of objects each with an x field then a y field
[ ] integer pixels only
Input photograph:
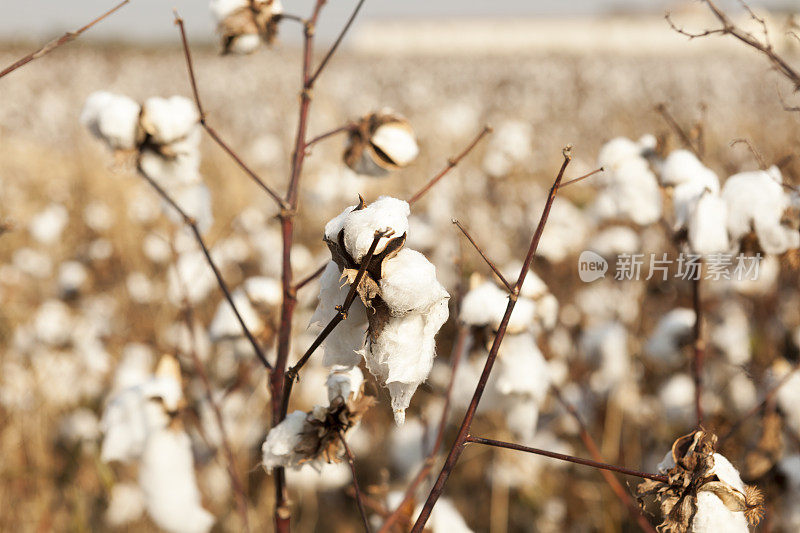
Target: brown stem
[
  {"x": 451, "y": 163},
  {"x": 359, "y": 499},
  {"x": 756, "y": 154},
  {"x": 341, "y": 129},
  {"x": 759, "y": 406},
  {"x": 563, "y": 457},
  {"x": 236, "y": 484},
  {"x": 483, "y": 255},
  {"x": 291, "y": 375},
  {"x": 699, "y": 350},
  {"x": 52, "y": 45},
  {"x": 466, "y": 424},
  {"x": 616, "y": 487},
  {"x": 687, "y": 141},
  {"x": 211, "y": 131},
  {"x": 336, "y": 43},
  {"x": 311, "y": 277},
  {"x": 189, "y": 221},
  {"x": 461, "y": 346}
]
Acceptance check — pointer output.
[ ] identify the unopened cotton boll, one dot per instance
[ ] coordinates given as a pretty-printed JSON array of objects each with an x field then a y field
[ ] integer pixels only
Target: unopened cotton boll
[
  {"x": 167, "y": 120},
  {"x": 360, "y": 225},
  {"x": 672, "y": 332},
  {"x": 708, "y": 233},
  {"x": 167, "y": 480},
  {"x": 112, "y": 118}
]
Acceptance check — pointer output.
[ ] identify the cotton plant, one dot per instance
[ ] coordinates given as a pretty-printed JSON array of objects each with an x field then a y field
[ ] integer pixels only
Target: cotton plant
[
  {"x": 704, "y": 492},
  {"x": 164, "y": 136},
  {"x": 402, "y": 304},
  {"x": 314, "y": 437},
  {"x": 380, "y": 142},
  {"x": 243, "y": 25}
]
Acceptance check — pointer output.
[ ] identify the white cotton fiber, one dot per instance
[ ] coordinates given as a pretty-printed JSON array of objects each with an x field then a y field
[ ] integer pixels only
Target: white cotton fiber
[
  {"x": 682, "y": 166},
  {"x": 167, "y": 480},
  {"x": 672, "y": 331},
  {"x": 344, "y": 382},
  {"x": 125, "y": 504},
  {"x": 112, "y": 118},
  {"x": 486, "y": 304},
  {"x": 606, "y": 345},
  {"x": 226, "y": 325},
  {"x": 397, "y": 141},
  {"x": 360, "y": 226},
  {"x": 169, "y": 119},
  {"x": 278, "y": 448},
  {"x": 184, "y": 169},
  {"x": 409, "y": 283},
  {"x": 47, "y": 225},
  {"x": 708, "y": 233},
  {"x": 222, "y": 8}
]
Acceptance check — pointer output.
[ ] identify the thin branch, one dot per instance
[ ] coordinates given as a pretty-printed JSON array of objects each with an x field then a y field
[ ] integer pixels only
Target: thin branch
[
  {"x": 451, "y": 163},
  {"x": 581, "y": 178},
  {"x": 64, "y": 39},
  {"x": 291, "y": 375},
  {"x": 569, "y": 458},
  {"x": 336, "y": 43},
  {"x": 311, "y": 277},
  {"x": 483, "y": 255},
  {"x": 211, "y": 131},
  {"x": 341, "y": 129},
  {"x": 687, "y": 141},
  {"x": 760, "y": 405},
  {"x": 761, "y": 164},
  {"x": 236, "y": 484},
  {"x": 359, "y": 499},
  {"x": 699, "y": 350},
  {"x": 189, "y": 221},
  {"x": 461, "y": 346},
  {"x": 466, "y": 424}
]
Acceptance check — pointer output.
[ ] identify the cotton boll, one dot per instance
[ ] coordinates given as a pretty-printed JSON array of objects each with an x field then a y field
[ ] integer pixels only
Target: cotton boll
[
  {"x": 125, "y": 504},
  {"x": 397, "y": 141},
  {"x": 33, "y": 262},
  {"x": 53, "y": 323},
  {"x": 486, "y": 304},
  {"x": 98, "y": 216},
  {"x": 631, "y": 192},
  {"x": 183, "y": 169},
  {"x": 408, "y": 447},
  {"x": 169, "y": 119},
  {"x": 445, "y": 518},
  {"x": 278, "y": 448},
  {"x": 521, "y": 368},
  {"x": 47, "y": 226},
  {"x": 225, "y": 323},
  {"x": 615, "y": 240},
  {"x": 72, "y": 276},
  {"x": 742, "y": 393},
  {"x": 134, "y": 366},
  {"x": 682, "y": 166},
  {"x": 244, "y": 44},
  {"x": 143, "y": 208},
  {"x": 712, "y": 514},
  {"x": 360, "y": 226},
  {"x": 308, "y": 478},
  {"x": 707, "y": 230},
  {"x": 169, "y": 486},
  {"x": 156, "y": 248},
  {"x": 788, "y": 395},
  {"x": 343, "y": 382},
  {"x": 336, "y": 224},
  {"x": 677, "y": 397},
  {"x": 263, "y": 290},
  {"x": 606, "y": 344},
  {"x": 616, "y": 151},
  {"x": 672, "y": 331},
  {"x": 566, "y": 230},
  {"x": 731, "y": 335},
  {"x": 547, "y": 311},
  {"x": 140, "y": 288},
  {"x": 112, "y": 118},
  {"x": 100, "y": 250},
  {"x": 409, "y": 283},
  {"x": 220, "y": 9},
  {"x": 81, "y": 425}
]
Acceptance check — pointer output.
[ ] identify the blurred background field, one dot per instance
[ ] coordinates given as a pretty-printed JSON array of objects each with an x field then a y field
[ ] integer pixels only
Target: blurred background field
[{"x": 541, "y": 83}]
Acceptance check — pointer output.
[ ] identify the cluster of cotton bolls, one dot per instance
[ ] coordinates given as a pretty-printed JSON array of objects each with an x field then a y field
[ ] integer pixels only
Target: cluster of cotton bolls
[{"x": 164, "y": 135}]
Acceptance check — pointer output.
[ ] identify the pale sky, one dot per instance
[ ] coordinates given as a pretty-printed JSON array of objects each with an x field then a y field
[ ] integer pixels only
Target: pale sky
[{"x": 151, "y": 20}]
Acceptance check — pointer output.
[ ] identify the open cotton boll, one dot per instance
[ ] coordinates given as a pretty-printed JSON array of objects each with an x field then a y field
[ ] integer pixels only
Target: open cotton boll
[
  {"x": 72, "y": 276},
  {"x": 682, "y": 166},
  {"x": 225, "y": 323},
  {"x": 486, "y": 304},
  {"x": 278, "y": 448},
  {"x": 708, "y": 232},
  {"x": 190, "y": 276},
  {"x": 444, "y": 518},
  {"x": 566, "y": 230},
  {"x": 336, "y": 224},
  {"x": 685, "y": 197},
  {"x": 788, "y": 395},
  {"x": 402, "y": 355},
  {"x": 169, "y": 486},
  {"x": 184, "y": 169},
  {"x": 169, "y": 119},
  {"x": 263, "y": 290},
  {"x": 397, "y": 141},
  {"x": 344, "y": 344},
  {"x": 112, "y": 118},
  {"x": 125, "y": 504},
  {"x": 134, "y": 366},
  {"x": 47, "y": 226},
  {"x": 616, "y": 151},
  {"x": 731, "y": 335},
  {"x": 53, "y": 323},
  {"x": 222, "y": 8},
  {"x": 615, "y": 240},
  {"x": 522, "y": 370},
  {"x": 630, "y": 192},
  {"x": 343, "y": 382},
  {"x": 409, "y": 283},
  {"x": 672, "y": 331},
  {"x": 755, "y": 199},
  {"x": 195, "y": 201},
  {"x": 769, "y": 269},
  {"x": 677, "y": 397},
  {"x": 607, "y": 345},
  {"x": 360, "y": 225},
  {"x": 712, "y": 514}
]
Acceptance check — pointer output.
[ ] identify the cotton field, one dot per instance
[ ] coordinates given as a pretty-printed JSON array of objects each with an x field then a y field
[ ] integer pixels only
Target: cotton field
[{"x": 273, "y": 284}]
